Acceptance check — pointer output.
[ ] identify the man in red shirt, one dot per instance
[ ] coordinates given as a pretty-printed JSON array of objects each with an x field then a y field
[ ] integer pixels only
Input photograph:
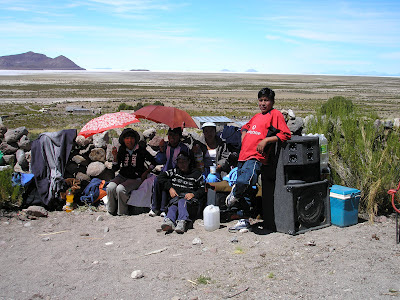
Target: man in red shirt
[{"x": 258, "y": 138}]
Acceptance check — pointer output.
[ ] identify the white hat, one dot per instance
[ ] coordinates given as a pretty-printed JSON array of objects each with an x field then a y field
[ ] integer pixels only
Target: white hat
[{"x": 208, "y": 124}]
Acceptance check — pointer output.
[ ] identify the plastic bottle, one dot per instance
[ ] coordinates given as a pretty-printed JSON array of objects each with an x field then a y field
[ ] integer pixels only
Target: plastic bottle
[
  {"x": 69, "y": 205},
  {"x": 211, "y": 217},
  {"x": 324, "y": 156}
]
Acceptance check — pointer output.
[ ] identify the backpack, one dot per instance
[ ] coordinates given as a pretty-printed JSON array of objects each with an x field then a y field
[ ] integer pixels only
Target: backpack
[
  {"x": 232, "y": 136},
  {"x": 94, "y": 191}
]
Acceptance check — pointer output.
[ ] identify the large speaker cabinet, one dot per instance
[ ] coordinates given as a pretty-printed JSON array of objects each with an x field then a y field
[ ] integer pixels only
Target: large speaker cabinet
[{"x": 295, "y": 200}]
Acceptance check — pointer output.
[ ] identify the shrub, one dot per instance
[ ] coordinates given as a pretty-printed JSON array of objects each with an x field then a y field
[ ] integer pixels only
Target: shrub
[
  {"x": 362, "y": 155},
  {"x": 337, "y": 106},
  {"x": 124, "y": 106},
  {"x": 10, "y": 196}
]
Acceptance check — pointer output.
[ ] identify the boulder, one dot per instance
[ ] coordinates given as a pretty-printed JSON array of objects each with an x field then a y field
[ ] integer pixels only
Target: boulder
[
  {"x": 98, "y": 154},
  {"x": 80, "y": 160},
  {"x": 28, "y": 156},
  {"x": 21, "y": 159},
  {"x": 36, "y": 211},
  {"x": 9, "y": 159},
  {"x": 81, "y": 141},
  {"x": 24, "y": 143},
  {"x": 13, "y": 135},
  {"x": 149, "y": 133},
  {"x": 109, "y": 156},
  {"x": 72, "y": 168},
  {"x": 396, "y": 122},
  {"x": 101, "y": 140},
  {"x": 95, "y": 168},
  {"x": 86, "y": 150},
  {"x": 7, "y": 148},
  {"x": 82, "y": 177}
]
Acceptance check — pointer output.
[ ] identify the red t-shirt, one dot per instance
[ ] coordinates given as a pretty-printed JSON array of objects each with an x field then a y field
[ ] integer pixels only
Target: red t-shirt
[{"x": 259, "y": 127}]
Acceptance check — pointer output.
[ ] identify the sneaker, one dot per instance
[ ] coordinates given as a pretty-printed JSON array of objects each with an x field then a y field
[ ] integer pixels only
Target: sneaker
[
  {"x": 152, "y": 213},
  {"x": 241, "y": 224},
  {"x": 180, "y": 226},
  {"x": 231, "y": 199},
  {"x": 168, "y": 225},
  {"x": 163, "y": 214}
]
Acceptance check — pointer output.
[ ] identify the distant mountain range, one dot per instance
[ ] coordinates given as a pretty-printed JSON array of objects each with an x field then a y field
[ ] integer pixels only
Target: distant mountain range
[{"x": 36, "y": 61}]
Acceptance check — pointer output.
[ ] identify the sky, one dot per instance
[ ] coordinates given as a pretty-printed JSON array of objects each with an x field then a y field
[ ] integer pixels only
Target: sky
[{"x": 273, "y": 37}]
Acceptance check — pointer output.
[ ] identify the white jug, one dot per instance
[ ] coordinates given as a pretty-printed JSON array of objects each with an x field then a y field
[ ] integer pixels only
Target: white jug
[{"x": 211, "y": 217}]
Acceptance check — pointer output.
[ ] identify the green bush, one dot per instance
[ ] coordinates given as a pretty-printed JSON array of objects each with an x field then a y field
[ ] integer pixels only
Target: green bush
[
  {"x": 337, "y": 106},
  {"x": 124, "y": 106},
  {"x": 10, "y": 196},
  {"x": 361, "y": 155}
]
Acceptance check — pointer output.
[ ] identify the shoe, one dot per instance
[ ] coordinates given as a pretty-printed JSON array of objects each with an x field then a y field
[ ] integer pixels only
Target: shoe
[
  {"x": 180, "y": 226},
  {"x": 152, "y": 213},
  {"x": 168, "y": 225},
  {"x": 163, "y": 214},
  {"x": 241, "y": 224},
  {"x": 231, "y": 199}
]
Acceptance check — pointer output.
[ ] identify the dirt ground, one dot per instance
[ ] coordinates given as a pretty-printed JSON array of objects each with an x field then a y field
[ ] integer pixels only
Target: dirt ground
[{"x": 91, "y": 255}]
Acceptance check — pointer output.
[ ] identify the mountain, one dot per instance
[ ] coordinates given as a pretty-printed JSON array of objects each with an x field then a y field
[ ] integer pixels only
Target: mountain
[{"x": 36, "y": 61}]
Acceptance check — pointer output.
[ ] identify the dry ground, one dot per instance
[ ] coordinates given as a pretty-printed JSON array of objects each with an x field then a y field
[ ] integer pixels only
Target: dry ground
[{"x": 75, "y": 256}]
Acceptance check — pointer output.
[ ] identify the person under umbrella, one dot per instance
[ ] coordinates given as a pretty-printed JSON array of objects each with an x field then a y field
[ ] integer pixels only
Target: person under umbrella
[{"x": 130, "y": 161}]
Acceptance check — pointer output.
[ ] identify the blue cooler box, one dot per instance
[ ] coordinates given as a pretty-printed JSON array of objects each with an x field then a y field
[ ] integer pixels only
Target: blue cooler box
[{"x": 344, "y": 205}]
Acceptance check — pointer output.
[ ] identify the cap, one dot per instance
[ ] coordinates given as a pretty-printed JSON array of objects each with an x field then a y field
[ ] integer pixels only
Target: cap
[{"x": 209, "y": 124}]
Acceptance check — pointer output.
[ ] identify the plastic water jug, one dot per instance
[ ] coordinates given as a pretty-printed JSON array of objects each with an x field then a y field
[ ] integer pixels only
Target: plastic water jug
[{"x": 211, "y": 217}]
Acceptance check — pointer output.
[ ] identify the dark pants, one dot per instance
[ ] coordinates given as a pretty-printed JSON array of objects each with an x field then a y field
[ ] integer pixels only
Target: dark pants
[
  {"x": 247, "y": 177},
  {"x": 181, "y": 209},
  {"x": 160, "y": 197}
]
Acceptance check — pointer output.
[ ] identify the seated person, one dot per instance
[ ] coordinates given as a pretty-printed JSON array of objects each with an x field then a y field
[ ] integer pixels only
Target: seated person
[
  {"x": 130, "y": 161},
  {"x": 167, "y": 157},
  {"x": 185, "y": 185},
  {"x": 215, "y": 151}
]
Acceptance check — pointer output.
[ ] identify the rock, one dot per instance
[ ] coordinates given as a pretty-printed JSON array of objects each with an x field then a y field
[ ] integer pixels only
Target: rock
[
  {"x": 3, "y": 129},
  {"x": 196, "y": 241},
  {"x": 95, "y": 168},
  {"x": 107, "y": 175},
  {"x": 149, "y": 133},
  {"x": 18, "y": 168},
  {"x": 28, "y": 156},
  {"x": 7, "y": 148},
  {"x": 37, "y": 211},
  {"x": 81, "y": 141},
  {"x": 101, "y": 140},
  {"x": 244, "y": 230},
  {"x": 73, "y": 168},
  {"x": 234, "y": 240},
  {"x": 28, "y": 224},
  {"x": 99, "y": 218},
  {"x": 296, "y": 125},
  {"x": 106, "y": 229},
  {"x": 380, "y": 219},
  {"x": 13, "y": 135},
  {"x": 46, "y": 239},
  {"x": 24, "y": 143},
  {"x": 108, "y": 164},
  {"x": 109, "y": 156},
  {"x": 137, "y": 274},
  {"x": 21, "y": 159},
  {"x": 82, "y": 177},
  {"x": 9, "y": 159},
  {"x": 80, "y": 160},
  {"x": 377, "y": 123},
  {"x": 86, "y": 150},
  {"x": 396, "y": 122},
  {"x": 98, "y": 154},
  {"x": 388, "y": 124},
  {"x": 155, "y": 142}
]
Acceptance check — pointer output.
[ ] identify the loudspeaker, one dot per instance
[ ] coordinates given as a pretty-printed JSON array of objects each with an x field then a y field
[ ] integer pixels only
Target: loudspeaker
[
  {"x": 295, "y": 200},
  {"x": 302, "y": 207}
]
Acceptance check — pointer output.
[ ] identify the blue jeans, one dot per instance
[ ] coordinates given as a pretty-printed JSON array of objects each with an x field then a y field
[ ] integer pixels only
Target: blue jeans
[
  {"x": 160, "y": 197},
  {"x": 178, "y": 211},
  {"x": 247, "y": 176}
]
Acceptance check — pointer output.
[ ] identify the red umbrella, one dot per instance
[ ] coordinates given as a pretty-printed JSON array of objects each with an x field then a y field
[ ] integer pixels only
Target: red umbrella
[
  {"x": 171, "y": 116},
  {"x": 106, "y": 122}
]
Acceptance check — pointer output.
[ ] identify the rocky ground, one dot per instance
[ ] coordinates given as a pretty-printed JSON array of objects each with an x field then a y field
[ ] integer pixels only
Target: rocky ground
[{"x": 92, "y": 255}]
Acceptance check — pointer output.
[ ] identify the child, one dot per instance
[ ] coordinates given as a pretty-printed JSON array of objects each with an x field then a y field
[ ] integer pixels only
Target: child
[
  {"x": 167, "y": 157},
  {"x": 258, "y": 138},
  {"x": 130, "y": 161},
  {"x": 185, "y": 185}
]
